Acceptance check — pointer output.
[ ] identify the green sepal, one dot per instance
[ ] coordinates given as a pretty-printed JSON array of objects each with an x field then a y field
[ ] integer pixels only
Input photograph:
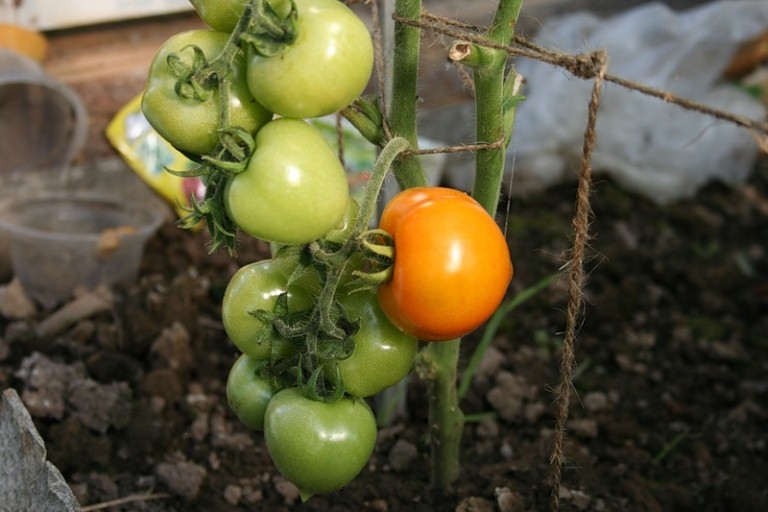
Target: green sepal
[
  {"x": 192, "y": 82},
  {"x": 267, "y": 33}
]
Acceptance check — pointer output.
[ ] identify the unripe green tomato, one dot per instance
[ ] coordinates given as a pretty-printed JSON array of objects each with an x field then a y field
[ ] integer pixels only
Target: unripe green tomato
[
  {"x": 257, "y": 286},
  {"x": 247, "y": 392},
  {"x": 319, "y": 446},
  {"x": 383, "y": 354},
  {"x": 190, "y": 124},
  {"x": 323, "y": 71},
  {"x": 294, "y": 189},
  {"x": 223, "y": 15}
]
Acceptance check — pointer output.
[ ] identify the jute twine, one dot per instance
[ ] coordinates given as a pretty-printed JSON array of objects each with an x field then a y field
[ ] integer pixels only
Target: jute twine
[{"x": 587, "y": 66}]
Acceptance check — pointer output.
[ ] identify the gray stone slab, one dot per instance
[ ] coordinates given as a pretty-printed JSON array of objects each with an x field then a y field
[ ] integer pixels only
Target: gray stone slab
[{"x": 28, "y": 482}]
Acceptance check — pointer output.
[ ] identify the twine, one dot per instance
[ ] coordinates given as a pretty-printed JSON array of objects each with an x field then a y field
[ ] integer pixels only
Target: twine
[
  {"x": 576, "y": 280},
  {"x": 582, "y": 66}
]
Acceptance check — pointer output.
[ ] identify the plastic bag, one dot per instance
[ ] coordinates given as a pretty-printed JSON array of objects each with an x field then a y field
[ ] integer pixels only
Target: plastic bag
[
  {"x": 149, "y": 155},
  {"x": 653, "y": 148}
]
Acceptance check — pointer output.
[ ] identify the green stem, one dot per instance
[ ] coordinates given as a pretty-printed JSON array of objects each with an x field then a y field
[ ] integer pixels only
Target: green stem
[
  {"x": 387, "y": 158},
  {"x": 446, "y": 420},
  {"x": 405, "y": 73},
  {"x": 490, "y": 107}
]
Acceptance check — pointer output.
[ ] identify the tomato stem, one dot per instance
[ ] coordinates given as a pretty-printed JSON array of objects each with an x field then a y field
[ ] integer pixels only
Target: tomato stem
[
  {"x": 387, "y": 159},
  {"x": 439, "y": 366},
  {"x": 490, "y": 115},
  {"x": 494, "y": 104},
  {"x": 402, "y": 112}
]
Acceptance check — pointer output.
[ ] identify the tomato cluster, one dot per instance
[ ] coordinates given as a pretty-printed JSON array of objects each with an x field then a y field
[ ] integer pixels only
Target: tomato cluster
[
  {"x": 236, "y": 96},
  {"x": 317, "y": 443},
  {"x": 336, "y": 315}
]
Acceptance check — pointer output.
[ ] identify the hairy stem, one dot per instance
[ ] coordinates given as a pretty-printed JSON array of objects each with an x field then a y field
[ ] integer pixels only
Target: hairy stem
[
  {"x": 402, "y": 113},
  {"x": 489, "y": 78},
  {"x": 446, "y": 420}
]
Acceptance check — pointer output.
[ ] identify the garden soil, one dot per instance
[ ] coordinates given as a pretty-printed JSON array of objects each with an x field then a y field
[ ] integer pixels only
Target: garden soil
[{"x": 670, "y": 391}]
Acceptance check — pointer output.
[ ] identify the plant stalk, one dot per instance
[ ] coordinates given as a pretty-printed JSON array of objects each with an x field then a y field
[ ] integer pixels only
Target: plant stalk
[
  {"x": 405, "y": 73},
  {"x": 490, "y": 109},
  {"x": 439, "y": 367},
  {"x": 446, "y": 420}
]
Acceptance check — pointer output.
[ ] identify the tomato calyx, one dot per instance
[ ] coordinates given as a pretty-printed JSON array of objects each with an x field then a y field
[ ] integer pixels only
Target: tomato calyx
[
  {"x": 194, "y": 82},
  {"x": 267, "y": 32},
  {"x": 236, "y": 145}
]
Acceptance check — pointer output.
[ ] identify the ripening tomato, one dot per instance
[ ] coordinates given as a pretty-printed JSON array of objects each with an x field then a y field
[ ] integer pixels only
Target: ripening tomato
[
  {"x": 319, "y": 446},
  {"x": 294, "y": 189},
  {"x": 322, "y": 71},
  {"x": 452, "y": 264},
  {"x": 191, "y": 124}
]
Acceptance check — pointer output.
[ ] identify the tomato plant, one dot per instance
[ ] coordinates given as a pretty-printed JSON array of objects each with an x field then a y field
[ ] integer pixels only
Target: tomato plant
[
  {"x": 383, "y": 354},
  {"x": 294, "y": 189},
  {"x": 185, "y": 107},
  {"x": 322, "y": 71},
  {"x": 452, "y": 264},
  {"x": 248, "y": 392},
  {"x": 295, "y": 318},
  {"x": 257, "y": 287},
  {"x": 317, "y": 445}
]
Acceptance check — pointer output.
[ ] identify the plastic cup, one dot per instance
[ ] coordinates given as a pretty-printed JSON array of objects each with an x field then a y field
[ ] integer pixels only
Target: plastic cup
[
  {"x": 60, "y": 243},
  {"x": 43, "y": 123}
]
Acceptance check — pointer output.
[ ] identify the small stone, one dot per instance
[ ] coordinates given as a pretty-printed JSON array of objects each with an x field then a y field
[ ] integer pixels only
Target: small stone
[
  {"x": 402, "y": 455},
  {"x": 287, "y": 490},
  {"x": 488, "y": 428},
  {"x": 595, "y": 401},
  {"x": 233, "y": 494},
  {"x": 100, "y": 406},
  {"x": 377, "y": 505},
  {"x": 509, "y": 500},
  {"x": 475, "y": 504},
  {"x": 252, "y": 495},
  {"x": 585, "y": 428},
  {"x": 182, "y": 477},
  {"x": 15, "y": 304},
  {"x": 173, "y": 349}
]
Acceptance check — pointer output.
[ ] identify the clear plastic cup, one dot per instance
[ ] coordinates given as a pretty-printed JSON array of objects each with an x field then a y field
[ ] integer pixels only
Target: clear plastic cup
[
  {"x": 59, "y": 243},
  {"x": 43, "y": 123}
]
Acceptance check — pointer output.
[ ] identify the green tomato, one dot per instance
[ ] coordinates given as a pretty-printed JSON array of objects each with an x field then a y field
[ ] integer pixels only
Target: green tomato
[
  {"x": 257, "y": 286},
  {"x": 383, "y": 354},
  {"x": 294, "y": 189},
  {"x": 319, "y": 446},
  {"x": 323, "y": 70},
  {"x": 247, "y": 392},
  {"x": 191, "y": 124},
  {"x": 223, "y": 15}
]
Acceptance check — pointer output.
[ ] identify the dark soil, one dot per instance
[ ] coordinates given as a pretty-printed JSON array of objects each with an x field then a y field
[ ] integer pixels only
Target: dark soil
[{"x": 670, "y": 405}]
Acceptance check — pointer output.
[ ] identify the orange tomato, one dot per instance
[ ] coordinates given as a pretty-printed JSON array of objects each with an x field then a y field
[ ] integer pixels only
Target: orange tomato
[{"x": 452, "y": 264}]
